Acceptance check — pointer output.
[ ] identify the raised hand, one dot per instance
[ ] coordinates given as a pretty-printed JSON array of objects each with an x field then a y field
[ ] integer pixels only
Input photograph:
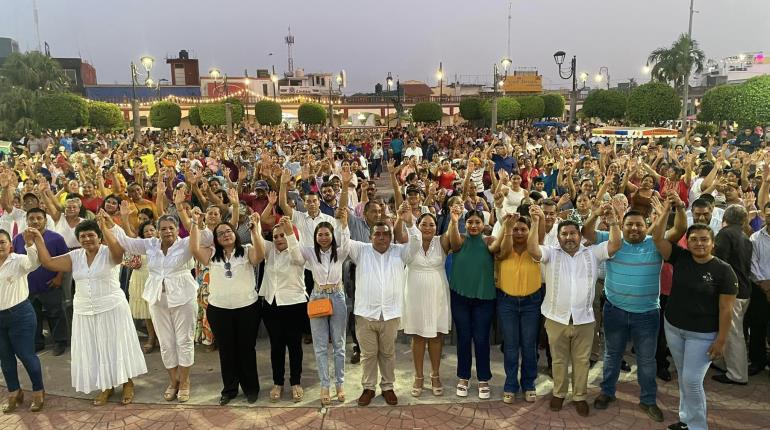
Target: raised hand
[
  {"x": 285, "y": 176},
  {"x": 341, "y": 214},
  {"x": 404, "y": 210},
  {"x": 536, "y": 213},
  {"x": 232, "y": 194},
  {"x": 286, "y": 225},
  {"x": 126, "y": 208},
  {"x": 272, "y": 198},
  {"x": 179, "y": 196},
  {"x": 510, "y": 220},
  {"x": 455, "y": 213},
  {"x": 255, "y": 222}
]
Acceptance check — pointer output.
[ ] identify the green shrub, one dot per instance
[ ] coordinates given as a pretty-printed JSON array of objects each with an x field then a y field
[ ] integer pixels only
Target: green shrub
[
  {"x": 653, "y": 103},
  {"x": 554, "y": 105},
  {"x": 105, "y": 116},
  {"x": 268, "y": 112},
  {"x": 214, "y": 114},
  {"x": 426, "y": 112},
  {"x": 605, "y": 105},
  {"x": 61, "y": 111},
  {"x": 165, "y": 115},
  {"x": 532, "y": 107},
  {"x": 194, "y": 116},
  {"x": 311, "y": 114},
  {"x": 470, "y": 109}
]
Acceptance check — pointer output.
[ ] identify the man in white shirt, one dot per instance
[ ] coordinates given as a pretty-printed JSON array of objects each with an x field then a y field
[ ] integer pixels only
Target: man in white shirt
[
  {"x": 413, "y": 151},
  {"x": 570, "y": 271},
  {"x": 704, "y": 212},
  {"x": 379, "y": 294}
]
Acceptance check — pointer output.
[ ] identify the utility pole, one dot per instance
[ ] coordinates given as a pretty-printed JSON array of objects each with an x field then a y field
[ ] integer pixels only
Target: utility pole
[{"x": 686, "y": 83}]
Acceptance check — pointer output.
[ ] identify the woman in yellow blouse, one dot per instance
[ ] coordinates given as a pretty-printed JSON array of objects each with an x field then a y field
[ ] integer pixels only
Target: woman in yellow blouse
[{"x": 519, "y": 297}]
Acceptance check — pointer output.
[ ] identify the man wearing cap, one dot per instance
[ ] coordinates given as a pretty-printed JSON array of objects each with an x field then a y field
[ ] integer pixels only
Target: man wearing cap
[{"x": 257, "y": 201}]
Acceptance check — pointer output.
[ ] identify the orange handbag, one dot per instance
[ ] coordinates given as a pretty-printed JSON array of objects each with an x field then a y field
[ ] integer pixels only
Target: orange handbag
[{"x": 320, "y": 308}]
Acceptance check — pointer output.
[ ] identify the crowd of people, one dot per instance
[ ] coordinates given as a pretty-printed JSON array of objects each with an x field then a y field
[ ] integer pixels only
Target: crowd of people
[{"x": 556, "y": 239}]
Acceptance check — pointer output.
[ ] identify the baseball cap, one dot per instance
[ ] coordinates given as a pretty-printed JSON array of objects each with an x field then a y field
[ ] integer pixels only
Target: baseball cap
[
  {"x": 413, "y": 189},
  {"x": 261, "y": 185}
]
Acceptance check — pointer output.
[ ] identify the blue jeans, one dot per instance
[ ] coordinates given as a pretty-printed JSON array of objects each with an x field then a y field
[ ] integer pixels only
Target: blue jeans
[
  {"x": 519, "y": 323},
  {"x": 322, "y": 329},
  {"x": 17, "y": 339},
  {"x": 689, "y": 351},
  {"x": 642, "y": 328},
  {"x": 473, "y": 321}
]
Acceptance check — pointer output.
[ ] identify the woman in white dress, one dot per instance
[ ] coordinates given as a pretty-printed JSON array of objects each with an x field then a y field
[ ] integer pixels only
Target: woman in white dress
[
  {"x": 105, "y": 349},
  {"x": 426, "y": 302}
]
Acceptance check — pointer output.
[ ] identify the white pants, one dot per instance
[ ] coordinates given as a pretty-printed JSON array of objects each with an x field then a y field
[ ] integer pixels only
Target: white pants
[{"x": 175, "y": 329}]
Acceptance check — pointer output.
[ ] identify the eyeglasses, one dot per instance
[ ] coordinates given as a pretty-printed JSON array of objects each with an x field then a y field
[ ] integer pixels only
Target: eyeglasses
[
  {"x": 223, "y": 233},
  {"x": 228, "y": 272}
]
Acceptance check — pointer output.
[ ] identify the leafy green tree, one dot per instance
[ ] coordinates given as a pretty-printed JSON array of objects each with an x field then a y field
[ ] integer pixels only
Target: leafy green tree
[
  {"x": 753, "y": 104},
  {"x": 311, "y": 113},
  {"x": 268, "y": 112},
  {"x": 672, "y": 64},
  {"x": 704, "y": 128},
  {"x": 194, "y": 116},
  {"x": 605, "y": 105},
  {"x": 470, "y": 109},
  {"x": 554, "y": 105},
  {"x": 165, "y": 115},
  {"x": 24, "y": 78},
  {"x": 61, "y": 111},
  {"x": 653, "y": 103},
  {"x": 427, "y": 112},
  {"x": 532, "y": 107},
  {"x": 105, "y": 116},
  {"x": 214, "y": 114},
  {"x": 720, "y": 103},
  {"x": 508, "y": 109}
]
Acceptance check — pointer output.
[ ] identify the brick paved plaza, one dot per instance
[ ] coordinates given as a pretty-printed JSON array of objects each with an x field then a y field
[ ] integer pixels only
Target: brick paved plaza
[{"x": 730, "y": 407}]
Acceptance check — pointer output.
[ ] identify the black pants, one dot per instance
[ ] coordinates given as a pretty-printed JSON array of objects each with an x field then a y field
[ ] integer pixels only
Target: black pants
[
  {"x": 661, "y": 353},
  {"x": 375, "y": 168},
  {"x": 284, "y": 327},
  {"x": 236, "y": 333},
  {"x": 350, "y": 290},
  {"x": 758, "y": 318},
  {"x": 309, "y": 284},
  {"x": 49, "y": 305}
]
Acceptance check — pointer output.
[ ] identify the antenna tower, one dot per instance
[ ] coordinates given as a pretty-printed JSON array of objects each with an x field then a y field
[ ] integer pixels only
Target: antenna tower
[
  {"x": 290, "y": 43},
  {"x": 37, "y": 25}
]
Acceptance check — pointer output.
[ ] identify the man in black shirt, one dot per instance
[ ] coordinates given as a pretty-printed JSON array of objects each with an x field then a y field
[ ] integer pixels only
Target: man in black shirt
[{"x": 734, "y": 247}]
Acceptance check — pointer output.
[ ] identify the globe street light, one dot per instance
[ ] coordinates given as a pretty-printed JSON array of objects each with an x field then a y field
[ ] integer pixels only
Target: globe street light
[
  {"x": 558, "y": 57},
  {"x": 338, "y": 79},
  {"x": 603, "y": 71},
  {"x": 498, "y": 81},
  {"x": 147, "y": 62}
]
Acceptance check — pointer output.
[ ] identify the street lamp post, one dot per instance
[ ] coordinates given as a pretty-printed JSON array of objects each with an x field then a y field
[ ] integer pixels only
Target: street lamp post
[
  {"x": 274, "y": 78},
  {"x": 499, "y": 81},
  {"x": 338, "y": 79},
  {"x": 215, "y": 74},
  {"x": 440, "y": 79},
  {"x": 147, "y": 62},
  {"x": 389, "y": 84},
  {"x": 157, "y": 86},
  {"x": 559, "y": 58}
]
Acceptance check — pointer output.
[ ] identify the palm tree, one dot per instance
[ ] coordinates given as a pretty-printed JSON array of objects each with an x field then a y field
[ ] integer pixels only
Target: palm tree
[{"x": 675, "y": 63}]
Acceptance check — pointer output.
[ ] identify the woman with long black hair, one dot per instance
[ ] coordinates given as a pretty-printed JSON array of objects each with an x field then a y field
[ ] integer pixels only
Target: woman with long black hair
[
  {"x": 325, "y": 259},
  {"x": 232, "y": 303}
]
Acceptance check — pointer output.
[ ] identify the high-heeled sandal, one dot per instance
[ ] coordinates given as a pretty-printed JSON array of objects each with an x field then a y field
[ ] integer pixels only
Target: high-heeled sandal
[
  {"x": 297, "y": 393},
  {"x": 276, "y": 393},
  {"x": 102, "y": 398},
  {"x": 13, "y": 401},
  {"x": 417, "y": 386},
  {"x": 326, "y": 399},
  {"x": 38, "y": 398},
  {"x": 340, "y": 393},
  {"x": 170, "y": 394},
  {"x": 184, "y": 394},
  {"x": 462, "y": 388},
  {"x": 128, "y": 393},
  {"x": 436, "y": 386}
]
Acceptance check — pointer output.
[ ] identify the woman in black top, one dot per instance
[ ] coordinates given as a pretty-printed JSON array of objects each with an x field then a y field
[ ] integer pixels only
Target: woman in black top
[{"x": 698, "y": 314}]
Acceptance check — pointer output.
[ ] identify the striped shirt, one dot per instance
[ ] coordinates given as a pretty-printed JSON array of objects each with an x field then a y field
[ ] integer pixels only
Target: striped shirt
[{"x": 632, "y": 282}]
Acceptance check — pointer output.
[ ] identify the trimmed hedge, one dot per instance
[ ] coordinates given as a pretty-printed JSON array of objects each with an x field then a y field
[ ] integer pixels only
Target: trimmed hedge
[
  {"x": 605, "y": 105},
  {"x": 61, "y": 111},
  {"x": 213, "y": 114},
  {"x": 653, "y": 103},
  {"x": 105, "y": 116},
  {"x": 194, "y": 116},
  {"x": 554, "y": 105},
  {"x": 311, "y": 114},
  {"x": 268, "y": 112},
  {"x": 470, "y": 109},
  {"x": 426, "y": 112},
  {"x": 532, "y": 107},
  {"x": 165, "y": 115}
]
